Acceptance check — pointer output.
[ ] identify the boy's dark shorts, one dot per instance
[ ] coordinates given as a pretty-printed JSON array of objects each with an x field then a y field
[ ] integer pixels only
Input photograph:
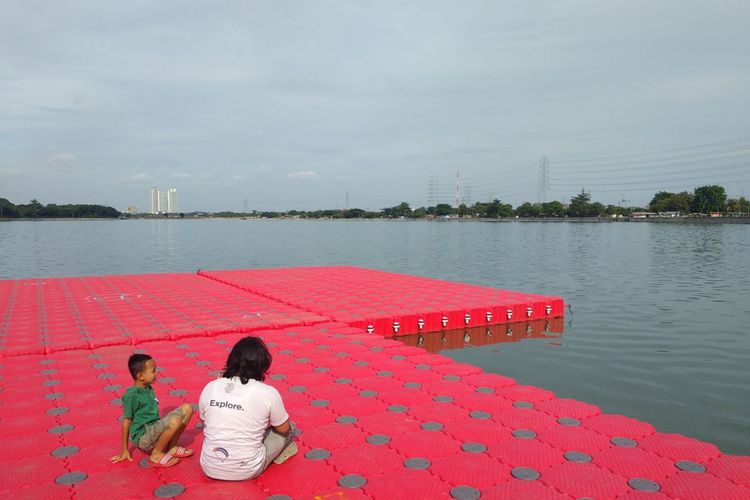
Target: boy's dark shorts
[{"x": 154, "y": 430}]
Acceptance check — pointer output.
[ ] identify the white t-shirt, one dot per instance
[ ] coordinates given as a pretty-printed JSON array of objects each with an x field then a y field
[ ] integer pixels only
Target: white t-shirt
[{"x": 236, "y": 417}]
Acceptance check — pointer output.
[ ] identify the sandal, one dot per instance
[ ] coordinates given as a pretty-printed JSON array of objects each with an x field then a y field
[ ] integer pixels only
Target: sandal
[
  {"x": 166, "y": 461},
  {"x": 180, "y": 452}
]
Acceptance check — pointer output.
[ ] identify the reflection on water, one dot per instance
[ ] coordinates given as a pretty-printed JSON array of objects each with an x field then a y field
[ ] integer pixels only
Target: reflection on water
[
  {"x": 660, "y": 311},
  {"x": 486, "y": 335}
]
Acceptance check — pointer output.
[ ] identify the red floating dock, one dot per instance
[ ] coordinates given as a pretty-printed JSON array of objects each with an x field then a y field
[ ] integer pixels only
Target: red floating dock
[{"x": 379, "y": 419}]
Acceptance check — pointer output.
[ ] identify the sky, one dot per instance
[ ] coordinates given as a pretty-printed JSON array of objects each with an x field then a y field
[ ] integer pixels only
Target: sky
[{"x": 278, "y": 105}]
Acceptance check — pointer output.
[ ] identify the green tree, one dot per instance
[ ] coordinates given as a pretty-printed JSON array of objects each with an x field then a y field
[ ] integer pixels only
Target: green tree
[
  {"x": 707, "y": 199},
  {"x": 741, "y": 205},
  {"x": 659, "y": 201},
  {"x": 401, "y": 210},
  {"x": 552, "y": 209},
  {"x": 579, "y": 205},
  {"x": 596, "y": 209},
  {"x": 8, "y": 209},
  {"x": 443, "y": 209},
  {"x": 527, "y": 210}
]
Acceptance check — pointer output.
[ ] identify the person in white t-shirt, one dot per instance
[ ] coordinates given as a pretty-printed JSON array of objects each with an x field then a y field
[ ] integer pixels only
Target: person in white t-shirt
[{"x": 246, "y": 425}]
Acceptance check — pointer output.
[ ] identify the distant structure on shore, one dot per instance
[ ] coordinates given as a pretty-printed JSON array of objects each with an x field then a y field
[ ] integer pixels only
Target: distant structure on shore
[{"x": 163, "y": 202}]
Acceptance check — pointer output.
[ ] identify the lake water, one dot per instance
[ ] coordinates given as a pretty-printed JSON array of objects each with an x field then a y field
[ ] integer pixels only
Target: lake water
[{"x": 659, "y": 323}]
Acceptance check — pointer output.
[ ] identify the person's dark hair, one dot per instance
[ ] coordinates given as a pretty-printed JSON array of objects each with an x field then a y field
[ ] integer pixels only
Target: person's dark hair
[
  {"x": 137, "y": 363},
  {"x": 249, "y": 359}
]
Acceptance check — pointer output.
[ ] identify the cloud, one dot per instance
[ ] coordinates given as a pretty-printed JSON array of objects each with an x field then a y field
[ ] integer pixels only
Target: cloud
[
  {"x": 139, "y": 178},
  {"x": 180, "y": 176},
  {"x": 302, "y": 175},
  {"x": 205, "y": 177},
  {"x": 264, "y": 168},
  {"x": 342, "y": 177},
  {"x": 61, "y": 159},
  {"x": 10, "y": 172},
  {"x": 238, "y": 178}
]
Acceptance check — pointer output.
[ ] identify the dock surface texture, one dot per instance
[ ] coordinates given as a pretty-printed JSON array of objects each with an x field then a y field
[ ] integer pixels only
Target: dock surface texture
[{"x": 378, "y": 418}]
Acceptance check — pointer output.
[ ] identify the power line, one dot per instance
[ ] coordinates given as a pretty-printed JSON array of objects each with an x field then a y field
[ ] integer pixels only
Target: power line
[{"x": 635, "y": 155}]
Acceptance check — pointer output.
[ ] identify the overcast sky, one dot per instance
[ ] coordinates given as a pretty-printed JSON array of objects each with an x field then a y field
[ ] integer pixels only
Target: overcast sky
[{"x": 309, "y": 104}]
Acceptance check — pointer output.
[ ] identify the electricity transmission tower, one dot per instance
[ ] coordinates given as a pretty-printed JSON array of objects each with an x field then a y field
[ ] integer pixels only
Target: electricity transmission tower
[{"x": 432, "y": 190}]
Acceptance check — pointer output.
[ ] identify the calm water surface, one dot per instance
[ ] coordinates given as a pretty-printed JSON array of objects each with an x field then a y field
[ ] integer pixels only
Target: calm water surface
[{"x": 659, "y": 323}]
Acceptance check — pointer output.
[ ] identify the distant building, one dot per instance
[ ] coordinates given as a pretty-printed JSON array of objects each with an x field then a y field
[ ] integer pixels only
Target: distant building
[
  {"x": 154, "y": 201},
  {"x": 163, "y": 202},
  {"x": 172, "y": 201},
  {"x": 132, "y": 210}
]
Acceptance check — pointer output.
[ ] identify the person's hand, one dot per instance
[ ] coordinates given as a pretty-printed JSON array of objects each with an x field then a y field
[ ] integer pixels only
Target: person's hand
[{"x": 125, "y": 455}]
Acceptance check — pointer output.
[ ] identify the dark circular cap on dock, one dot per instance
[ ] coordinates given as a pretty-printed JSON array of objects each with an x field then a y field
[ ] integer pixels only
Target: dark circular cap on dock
[
  {"x": 483, "y": 415},
  {"x": 417, "y": 463},
  {"x": 577, "y": 456},
  {"x": 65, "y": 451},
  {"x": 169, "y": 490},
  {"x": 689, "y": 466},
  {"x": 60, "y": 429},
  {"x": 71, "y": 478},
  {"x": 317, "y": 454},
  {"x": 525, "y": 473},
  {"x": 524, "y": 434},
  {"x": 432, "y": 426},
  {"x": 474, "y": 447},
  {"x": 623, "y": 442},
  {"x": 465, "y": 493},
  {"x": 378, "y": 439},
  {"x": 640, "y": 484},
  {"x": 352, "y": 481}
]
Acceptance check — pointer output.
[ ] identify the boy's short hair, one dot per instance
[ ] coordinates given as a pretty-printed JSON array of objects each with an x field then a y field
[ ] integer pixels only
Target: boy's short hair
[
  {"x": 248, "y": 359},
  {"x": 137, "y": 363}
]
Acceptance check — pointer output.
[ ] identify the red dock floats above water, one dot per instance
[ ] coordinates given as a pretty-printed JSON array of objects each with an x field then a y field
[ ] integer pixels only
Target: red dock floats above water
[{"x": 379, "y": 419}]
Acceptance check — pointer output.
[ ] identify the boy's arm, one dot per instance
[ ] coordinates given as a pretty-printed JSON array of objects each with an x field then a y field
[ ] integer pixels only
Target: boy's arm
[{"x": 125, "y": 453}]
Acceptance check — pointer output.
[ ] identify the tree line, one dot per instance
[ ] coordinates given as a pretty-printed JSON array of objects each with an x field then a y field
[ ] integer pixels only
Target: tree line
[
  {"x": 703, "y": 200},
  {"x": 36, "y": 210}
]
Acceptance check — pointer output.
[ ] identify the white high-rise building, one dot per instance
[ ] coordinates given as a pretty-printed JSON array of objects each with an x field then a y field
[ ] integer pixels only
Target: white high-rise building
[
  {"x": 163, "y": 202},
  {"x": 172, "y": 201},
  {"x": 154, "y": 201}
]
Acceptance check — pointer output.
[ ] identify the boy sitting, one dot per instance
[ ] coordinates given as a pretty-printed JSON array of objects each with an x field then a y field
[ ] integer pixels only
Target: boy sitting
[{"x": 141, "y": 421}]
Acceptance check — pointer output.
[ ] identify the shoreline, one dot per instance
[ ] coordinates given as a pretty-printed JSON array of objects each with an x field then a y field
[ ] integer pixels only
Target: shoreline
[{"x": 588, "y": 220}]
